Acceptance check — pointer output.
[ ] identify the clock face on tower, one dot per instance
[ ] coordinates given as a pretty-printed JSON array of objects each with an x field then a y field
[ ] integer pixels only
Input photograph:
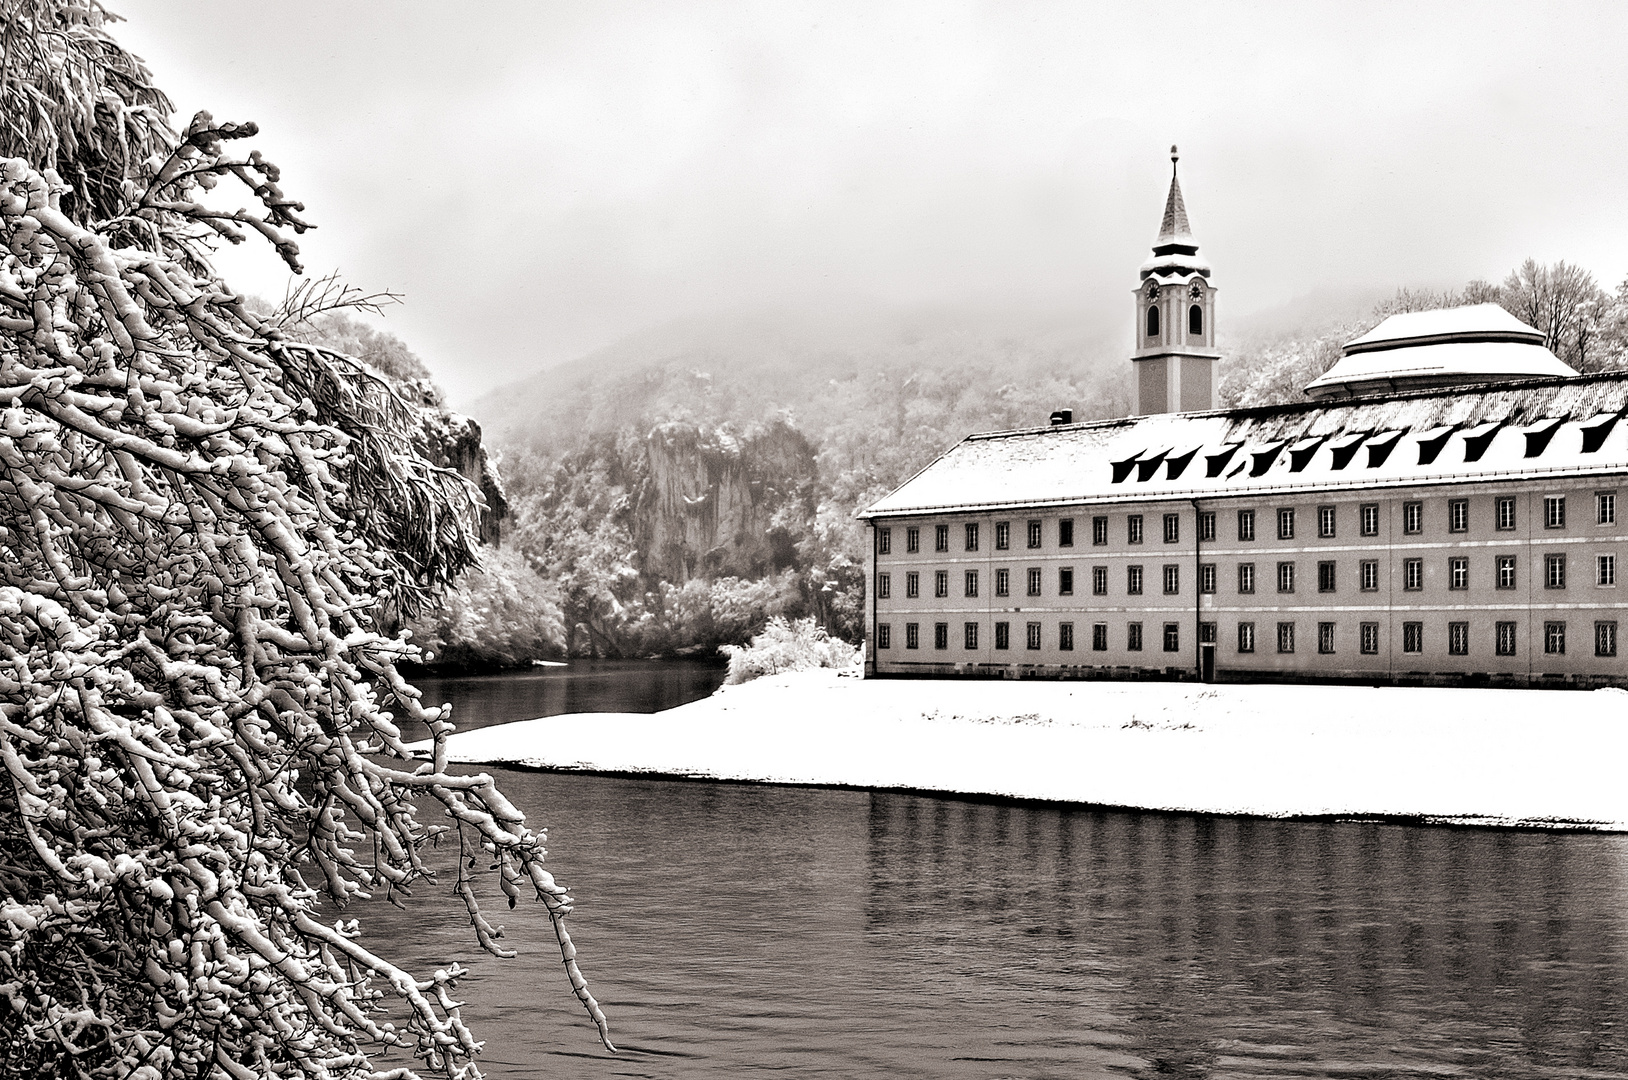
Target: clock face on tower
[
  {"x": 1196, "y": 291},
  {"x": 1153, "y": 290}
]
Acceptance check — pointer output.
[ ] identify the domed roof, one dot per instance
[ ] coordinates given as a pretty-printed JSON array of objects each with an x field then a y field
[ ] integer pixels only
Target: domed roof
[{"x": 1476, "y": 343}]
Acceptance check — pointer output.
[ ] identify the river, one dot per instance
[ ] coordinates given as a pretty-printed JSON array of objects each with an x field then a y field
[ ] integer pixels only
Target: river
[{"x": 737, "y": 929}]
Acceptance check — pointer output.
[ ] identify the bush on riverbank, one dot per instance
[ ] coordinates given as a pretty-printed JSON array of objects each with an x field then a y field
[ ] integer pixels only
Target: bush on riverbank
[{"x": 788, "y": 646}]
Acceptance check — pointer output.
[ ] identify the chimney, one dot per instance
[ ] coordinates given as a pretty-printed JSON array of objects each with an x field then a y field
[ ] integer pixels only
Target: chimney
[{"x": 1062, "y": 416}]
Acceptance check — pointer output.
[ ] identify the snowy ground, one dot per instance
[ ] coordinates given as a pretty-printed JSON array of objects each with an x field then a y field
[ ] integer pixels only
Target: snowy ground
[{"x": 1476, "y": 756}]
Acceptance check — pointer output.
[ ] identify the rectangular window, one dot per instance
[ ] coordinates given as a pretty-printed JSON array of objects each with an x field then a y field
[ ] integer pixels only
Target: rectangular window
[
  {"x": 884, "y": 586},
  {"x": 884, "y": 541},
  {"x": 1034, "y": 635},
  {"x": 1172, "y": 528},
  {"x": 1034, "y": 534},
  {"x": 1554, "y": 571},
  {"x": 1065, "y": 581},
  {"x": 1133, "y": 636},
  {"x": 1368, "y": 519},
  {"x": 1325, "y": 637},
  {"x": 1325, "y": 522},
  {"x": 912, "y": 540},
  {"x": 1325, "y": 576},
  {"x": 1368, "y": 575},
  {"x": 1285, "y": 577},
  {"x": 1003, "y": 535},
  {"x": 1368, "y": 638},
  {"x": 1504, "y": 643},
  {"x": 1506, "y": 571},
  {"x": 912, "y": 585},
  {"x": 1605, "y": 508},
  {"x": 912, "y": 635},
  {"x": 1065, "y": 533},
  {"x": 1458, "y": 639},
  {"x": 1458, "y": 573},
  {"x": 1413, "y": 637},
  {"x": 1246, "y": 577},
  {"x": 1554, "y": 638},
  {"x": 884, "y": 636},
  {"x": 1605, "y": 570},
  {"x": 1605, "y": 639},
  {"x": 1458, "y": 515},
  {"x": 1246, "y": 637},
  {"x": 1003, "y": 582},
  {"x": 1133, "y": 580},
  {"x": 972, "y": 536},
  {"x": 1554, "y": 511},
  {"x": 1099, "y": 581},
  {"x": 1172, "y": 637},
  {"x": 969, "y": 634},
  {"x": 941, "y": 635},
  {"x": 1246, "y": 525},
  {"x": 1413, "y": 518},
  {"x": 1065, "y": 636},
  {"x": 971, "y": 583},
  {"x": 1206, "y": 577},
  {"x": 941, "y": 583},
  {"x": 1034, "y": 581},
  {"x": 1099, "y": 637},
  {"x": 1099, "y": 531},
  {"x": 1412, "y": 574},
  {"x": 1206, "y": 526},
  {"x": 1285, "y": 637},
  {"x": 1133, "y": 529},
  {"x": 1206, "y": 633},
  {"x": 1003, "y": 635},
  {"x": 1172, "y": 579},
  {"x": 941, "y": 538},
  {"x": 1286, "y": 523},
  {"x": 1504, "y": 518}
]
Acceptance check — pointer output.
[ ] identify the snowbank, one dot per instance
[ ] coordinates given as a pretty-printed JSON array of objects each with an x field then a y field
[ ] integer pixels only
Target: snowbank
[{"x": 1495, "y": 757}]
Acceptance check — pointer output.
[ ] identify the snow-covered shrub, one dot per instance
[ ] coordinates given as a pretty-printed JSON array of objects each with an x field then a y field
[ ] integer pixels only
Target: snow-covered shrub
[
  {"x": 498, "y": 614},
  {"x": 788, "y": 646}
]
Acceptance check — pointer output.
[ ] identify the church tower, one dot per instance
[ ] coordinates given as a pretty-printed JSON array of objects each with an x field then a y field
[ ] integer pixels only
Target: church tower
[{"x": 1175, "y": 357}]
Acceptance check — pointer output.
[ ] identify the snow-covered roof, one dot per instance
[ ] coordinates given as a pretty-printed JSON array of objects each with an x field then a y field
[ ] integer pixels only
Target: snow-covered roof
[
  {"x": 1469, "y": 322},
  {"x": 1528, "y": 429}
]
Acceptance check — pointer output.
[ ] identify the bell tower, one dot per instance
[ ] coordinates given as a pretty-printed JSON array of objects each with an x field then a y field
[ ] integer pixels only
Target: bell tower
[{"x": 1175, "y": 356}]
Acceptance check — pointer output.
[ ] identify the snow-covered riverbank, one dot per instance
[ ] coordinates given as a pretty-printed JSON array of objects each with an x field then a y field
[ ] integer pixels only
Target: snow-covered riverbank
[{"x": 1479, "y": 756}]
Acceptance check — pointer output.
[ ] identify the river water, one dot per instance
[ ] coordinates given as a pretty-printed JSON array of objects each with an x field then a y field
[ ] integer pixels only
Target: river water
[{"x": 736, "y": 930}]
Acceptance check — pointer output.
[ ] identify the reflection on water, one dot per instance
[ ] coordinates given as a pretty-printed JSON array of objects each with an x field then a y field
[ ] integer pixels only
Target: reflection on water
[{"x": 734, "y": 929}]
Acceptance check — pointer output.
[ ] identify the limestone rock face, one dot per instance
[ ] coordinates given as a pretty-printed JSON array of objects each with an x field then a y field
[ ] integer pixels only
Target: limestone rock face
[{"x": 453, "y": 441}]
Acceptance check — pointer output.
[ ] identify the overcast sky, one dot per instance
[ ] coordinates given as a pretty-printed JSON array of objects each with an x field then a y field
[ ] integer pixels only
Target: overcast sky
[{"x": 540, "y": 179}]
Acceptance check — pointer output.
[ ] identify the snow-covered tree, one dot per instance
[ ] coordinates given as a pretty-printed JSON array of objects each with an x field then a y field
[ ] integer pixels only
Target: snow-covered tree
[{"x": 200, "y": 755}]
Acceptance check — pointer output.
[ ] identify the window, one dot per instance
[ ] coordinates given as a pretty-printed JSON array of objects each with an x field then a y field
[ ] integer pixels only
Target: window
[
  {"x": 1133, "y": 580},
  {"x": 1325, "y": 637},
  {"x": 1195, "y": 321},
  {"x": 1504, "y": 642},
  {"x": 969, "y": 634},
  {"x": 1504, "y": 518},
  {"x": 912, "y": 635},
  {"x": 912, "y": 540},
  {"x": 1003, "y": 582},
  {"x": 884, "y": 541},
  {"x": 971, "y": 584},
  {"x": 1554, "y": 571},
  {"x": 1506, "y": 571},
  {"x": 1413, "y": 637},
  {"x": 1554, "y": 638},
  {"x": 1133, "y": 636},
  {"x": 884, "y": 586},
  {"x": 1153, "y": 322},
  {"x": 1605, "y": 571},
  {"x": 1458, "y": 515},
  {"x": 1605, "y": 509},
  {"x": 1368, "y": 519},
  {"x": 1605, "y": 639},
  {"x": 972, "y": 536},
  {"x": 1099, "y": 637},
  {"x": 1172, "y": 528},
  {"x": 1099, "y": 531},
  {"x": 1458, "y": 573},
  {"x": 1133, "y": 529},
  {"x": 1285, "y": 637},
  {"x": 884, "y": 636},
  {"x": 1003, "y": 535},
  {"x": 1413, "y": 518},
  {"x": 1065, "y": 636},
  {"x": 1206, "y": 633},
  {"x": 1003, "y": 635},
  {"x": 1368, "y": 638},
  {"x": 912, "y": 585},
  {"x": 941, "y": 635},
  {"x": 1246, "y": 525},
  {"x": 1368, "y": 575},
  {"x": 1065, "y": 532},
  {"x": 1246, "y": 637},
  {"x": 1034, "y": 581},
  {"x": 941, "y": 538},
  {"x": 1246, "y": 577},
  {"x": 1325, "y": 522},
  {"x": 1034, "y": 534},
  {"x": 1554, "y": 511},
  {"x": 1034, "y": 635},
  {"x": 1325, "y": 576},
  {"x": 1412, "y": 574},
  {"x": 1285, "y": 577},
  {"x": 1172, "y": 579},
  {"x": 941, "y": 583},
  {"x": 1206, "y": 577},
  {"x": 1099, "y": 581},
  {"x": 1458, "y": 639},
  {"x": 1065, "y": 581},
  {"x": 1206, "y": 526},
  {"x": 1286, "y": 523},
  {"x": 1172, "y": 637}
]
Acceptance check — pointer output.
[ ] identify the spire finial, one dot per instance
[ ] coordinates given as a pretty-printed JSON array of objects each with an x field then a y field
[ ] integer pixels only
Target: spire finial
[{"x": 1174, "y": 157}]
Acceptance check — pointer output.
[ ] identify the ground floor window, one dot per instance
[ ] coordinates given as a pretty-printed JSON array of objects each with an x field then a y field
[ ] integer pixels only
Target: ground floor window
[
  {"x": 1368, "y": 639},
  {"x": 1504, "y": 643},
  {"x": 1034, "y": 635},
  {"x": 912, "y": 635},
  {"x": 1325, "y": 637},
  {"x": 1246, "y": 637},
  {"x": 1458, "y": 639},
  {"x": 970, "y": 633},
  {"x": 1206, "y": 633},
  {"x": 1065, "y": 636},
  {"x": 941, "y": 635},
  {"x": 1133, "y": 637},
  {"x": 884, "y": 636},
  {"x": 1605, "y": 639},
  {"x": 1099, "y": 637},
  {"x": 1554, "y": 638},
  {"x": 1003, "y": 635},
  {"x": 1413, "y": 637},
  {"x": 1285, "y": 637},
  {"x": 1172, "y": 637}
]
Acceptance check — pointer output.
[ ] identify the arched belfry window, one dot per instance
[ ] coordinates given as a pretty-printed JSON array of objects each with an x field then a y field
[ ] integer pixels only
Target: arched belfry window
[
  {"x": 1153, "y": 322},
  {"x": 1195, "y": 321}
]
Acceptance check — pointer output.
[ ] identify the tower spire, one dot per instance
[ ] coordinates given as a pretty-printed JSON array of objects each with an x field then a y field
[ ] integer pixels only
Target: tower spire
[{"x": 1174, "y": 228}]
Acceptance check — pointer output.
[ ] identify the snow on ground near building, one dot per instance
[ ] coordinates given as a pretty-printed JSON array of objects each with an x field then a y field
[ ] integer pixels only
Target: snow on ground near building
[{"x": 1494, "y": 757}]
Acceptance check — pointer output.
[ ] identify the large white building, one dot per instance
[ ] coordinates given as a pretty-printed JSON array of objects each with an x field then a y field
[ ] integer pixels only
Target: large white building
[{"x": 1442, "y": 509}]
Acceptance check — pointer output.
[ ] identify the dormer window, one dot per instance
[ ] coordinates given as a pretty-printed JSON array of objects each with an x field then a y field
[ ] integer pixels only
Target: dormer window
[
  {"x": 1195, "y": 321},
  {"x": 1153, "y": 322}
]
